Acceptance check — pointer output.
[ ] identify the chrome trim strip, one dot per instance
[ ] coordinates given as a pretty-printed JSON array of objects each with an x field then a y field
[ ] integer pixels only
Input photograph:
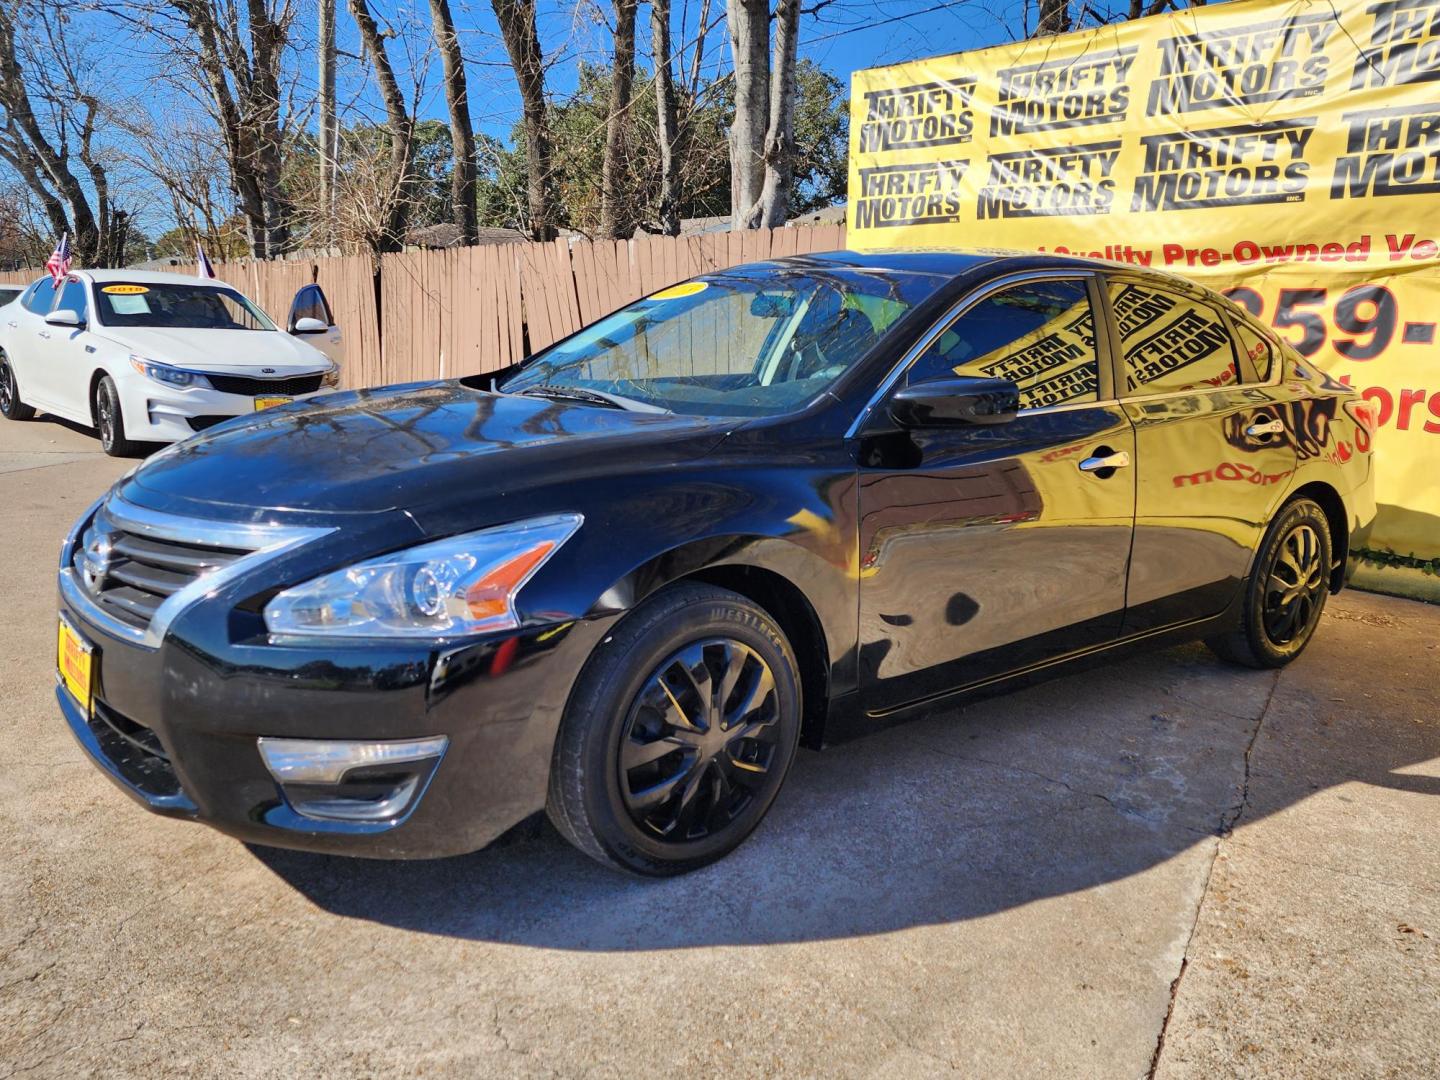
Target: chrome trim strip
[
  {"x": 262, "y": 543},
  {"x": 969, "y": 300}
]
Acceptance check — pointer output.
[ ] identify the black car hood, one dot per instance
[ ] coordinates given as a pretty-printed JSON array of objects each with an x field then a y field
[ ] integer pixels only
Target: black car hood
[{"x": 410, "y": 447}]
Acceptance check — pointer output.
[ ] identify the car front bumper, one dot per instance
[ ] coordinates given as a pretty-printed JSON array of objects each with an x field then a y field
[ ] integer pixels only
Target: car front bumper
[
  {"x": 176, "y": 728},
  {"x": 155, "y": 412}
]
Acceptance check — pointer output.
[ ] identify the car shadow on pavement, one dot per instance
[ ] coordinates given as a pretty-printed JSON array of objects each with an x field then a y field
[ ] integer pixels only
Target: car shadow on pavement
[{"x": 1062, "y": 787}]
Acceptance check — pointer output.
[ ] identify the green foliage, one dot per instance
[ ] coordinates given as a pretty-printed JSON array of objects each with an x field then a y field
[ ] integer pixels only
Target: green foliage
[{"x": 1391, "y": 558}]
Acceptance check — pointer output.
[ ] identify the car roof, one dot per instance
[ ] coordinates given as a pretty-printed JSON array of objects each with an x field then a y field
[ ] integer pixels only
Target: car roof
[
  {"x": 958, "y": 262},
  {"x": 147, "y": 277}
]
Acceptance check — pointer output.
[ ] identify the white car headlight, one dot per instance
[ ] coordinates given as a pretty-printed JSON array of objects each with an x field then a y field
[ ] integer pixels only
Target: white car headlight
[
  {"x": 463, "y": 585},
  {"x": 164, "y": 373}
]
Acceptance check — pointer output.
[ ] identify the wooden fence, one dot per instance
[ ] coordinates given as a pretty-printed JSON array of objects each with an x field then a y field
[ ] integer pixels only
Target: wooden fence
[{"x": 435, "y": 314}]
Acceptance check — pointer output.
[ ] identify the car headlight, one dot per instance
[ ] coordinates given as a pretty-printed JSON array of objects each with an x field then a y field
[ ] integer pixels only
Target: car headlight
[
  {"x": 164, "y": 373},
  {"x": 331, "y": 378},
  {"x": 466, "y": 584}
]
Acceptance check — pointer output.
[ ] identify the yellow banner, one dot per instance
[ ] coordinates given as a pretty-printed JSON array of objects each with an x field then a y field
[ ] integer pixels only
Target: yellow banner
[{"x": 1287, "y": 153}]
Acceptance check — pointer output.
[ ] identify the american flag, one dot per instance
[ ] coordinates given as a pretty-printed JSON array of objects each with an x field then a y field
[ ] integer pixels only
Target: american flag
[
  {"x": 59, "y": 262},
  {"x": 202, "y": 264}
]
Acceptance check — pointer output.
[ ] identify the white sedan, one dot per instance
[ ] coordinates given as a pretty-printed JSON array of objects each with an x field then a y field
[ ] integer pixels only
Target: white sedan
[{"x": 154, "y": 357}]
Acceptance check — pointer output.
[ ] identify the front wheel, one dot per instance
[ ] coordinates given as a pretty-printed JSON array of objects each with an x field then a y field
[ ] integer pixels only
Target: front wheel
[
  {"x": 678, "y": 734},
  {"x": 1285, "y": 592},
  {"x": 11, "y": 407},
  {"x": 110, "y": 420}
]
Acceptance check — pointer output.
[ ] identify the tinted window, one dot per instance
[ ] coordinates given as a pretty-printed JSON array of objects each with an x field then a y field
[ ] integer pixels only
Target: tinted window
[
  {"x": 72, "y": 298},
  {"x": 745, "y": 342},
  {"x": 1040, "y": 334},
  {"x": 180, "y": 306},
  {"x": 1171, "y": 342},
  {"x": 39, "y": 296},
  {"x": 310, "y": 304},
  {"x": 7, "y": 294},
  {"x": 1260, "y": 351}
]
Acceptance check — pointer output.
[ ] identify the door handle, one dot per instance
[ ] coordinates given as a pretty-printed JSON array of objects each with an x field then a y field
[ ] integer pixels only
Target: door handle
[
  {"x": 1117, "y": 460},
  {"x": 1269, "y": 427},
  {"x": 43, "y": 333},
  {"x": 12, "y": 324}
]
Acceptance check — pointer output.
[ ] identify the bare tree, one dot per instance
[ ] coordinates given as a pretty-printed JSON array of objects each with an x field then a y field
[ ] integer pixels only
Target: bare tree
[
  {"x": 749, "y": 24},
  {"x": 241, "y": 64},
  {"x": 329, "y": 126},
  {"x": 1055, "y": 17},
  {"x": 401, "y": 129},
  {"x": 617, "y": 219},
  {"x": 762, "y": 138},
  {"x": 462, "y": 136},
  {"x": 667, "y": 118},
  {"x": 522, "y": 42},
  {"x": 41, "y": 146},
  {"x": 773, "y": 206}
]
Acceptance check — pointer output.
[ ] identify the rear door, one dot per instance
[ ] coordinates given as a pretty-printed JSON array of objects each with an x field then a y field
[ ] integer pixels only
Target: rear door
[
  {"x": 1213, "y": 453},
  {"x": 311, "y": 303},
  {"x": 985, "y": 549}
]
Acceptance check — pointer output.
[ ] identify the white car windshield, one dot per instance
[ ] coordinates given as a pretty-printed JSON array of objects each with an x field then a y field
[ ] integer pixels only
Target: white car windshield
[
  {"x": 180, "y": 306},
  {"x": 751, "y": 342}
]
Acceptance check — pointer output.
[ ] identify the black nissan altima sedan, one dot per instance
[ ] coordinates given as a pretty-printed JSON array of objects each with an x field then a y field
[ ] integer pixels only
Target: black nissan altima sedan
[{"x": 623, "y": 581}]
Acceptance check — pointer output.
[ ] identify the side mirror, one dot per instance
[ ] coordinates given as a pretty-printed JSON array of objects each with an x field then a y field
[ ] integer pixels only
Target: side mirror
[
  {"x": 308, "y": 325},
  {"x": 65, "y": 317},
  {"x": 954, "y": 401}
]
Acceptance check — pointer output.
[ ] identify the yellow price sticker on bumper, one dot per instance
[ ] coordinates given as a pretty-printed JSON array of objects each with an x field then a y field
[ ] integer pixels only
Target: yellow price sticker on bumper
[{"x": 271, "y": 402}]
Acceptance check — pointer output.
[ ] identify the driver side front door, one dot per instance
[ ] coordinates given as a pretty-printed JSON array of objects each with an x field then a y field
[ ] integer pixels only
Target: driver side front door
[{"x": 990, "y": 548}]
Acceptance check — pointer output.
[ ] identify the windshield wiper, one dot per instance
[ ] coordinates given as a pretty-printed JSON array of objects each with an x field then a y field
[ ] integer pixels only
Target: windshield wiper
[{"x": 592, "y": 397}]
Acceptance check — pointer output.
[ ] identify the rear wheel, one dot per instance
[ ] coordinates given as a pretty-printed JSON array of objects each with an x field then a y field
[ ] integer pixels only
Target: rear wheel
[
  {"x": 1286, "y": 591},
  {"x": 11, "y": 407},
  {"x": 110, "y": 421},
  {"x": 678, "y": 734}
]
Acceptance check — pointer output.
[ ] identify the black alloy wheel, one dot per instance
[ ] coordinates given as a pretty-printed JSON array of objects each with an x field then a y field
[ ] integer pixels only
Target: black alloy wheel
[
  {"x": 1295, "y": 589},
  {"x": 1286, "y": 591},
  {"x": 699, "y": 740},
  {"x": 110, "y": 420},
  {"x": 11, "y": 407},
  {"x": 678, "y": 733}
]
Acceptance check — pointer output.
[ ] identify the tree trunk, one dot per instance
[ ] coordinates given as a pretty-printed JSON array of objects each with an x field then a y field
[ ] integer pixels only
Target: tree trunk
[
  {"x": 1054, "y": 17},
  {"x": 522, "y": 41},
  {"x": 749, "y": 22},
  {"x": 329, "y": 124},
  {"x": 617, "y": 218},
  {"x": 462, "y": 137},
  {"x": 772, "y": 206},
  {"x": 666, "y": 117},
  {"x": 401, "y": 127}
]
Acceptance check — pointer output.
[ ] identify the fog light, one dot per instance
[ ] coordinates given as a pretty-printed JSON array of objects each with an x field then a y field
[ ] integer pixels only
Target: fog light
[{"x": 344, "y": 780}]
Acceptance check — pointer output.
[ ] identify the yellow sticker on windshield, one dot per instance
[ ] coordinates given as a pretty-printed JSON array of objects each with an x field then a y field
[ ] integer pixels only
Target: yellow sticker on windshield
[
  {"x": 123, "y": 290},
  {"x": 675, "y": 292}
]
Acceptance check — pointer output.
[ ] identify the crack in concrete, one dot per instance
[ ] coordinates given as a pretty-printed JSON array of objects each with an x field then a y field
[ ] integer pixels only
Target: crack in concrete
[{"x": 1227, "y": 824}]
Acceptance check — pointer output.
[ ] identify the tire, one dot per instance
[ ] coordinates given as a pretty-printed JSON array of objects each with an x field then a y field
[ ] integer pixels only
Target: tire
[
  {"x": 1285, "y": 593},
  {"x": 636, "y": 782},
  {"x": 110, "y": 420},
  {"x": 11, "y": 407}
]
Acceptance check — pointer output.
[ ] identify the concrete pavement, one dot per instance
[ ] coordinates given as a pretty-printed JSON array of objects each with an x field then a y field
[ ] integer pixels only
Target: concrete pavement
[{"x": 1166, "y": 865}]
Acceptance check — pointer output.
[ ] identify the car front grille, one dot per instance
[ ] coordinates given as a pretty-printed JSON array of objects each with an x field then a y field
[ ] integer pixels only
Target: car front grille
[
  {"x": 129, "y": 574},
  {"x": 251, "y": 387}
]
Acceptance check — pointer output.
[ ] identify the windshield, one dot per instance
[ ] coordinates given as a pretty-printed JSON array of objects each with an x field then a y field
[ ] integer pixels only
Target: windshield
[
  {"x": 752, "y": 342},
  {"x": 178, "y": 306}
]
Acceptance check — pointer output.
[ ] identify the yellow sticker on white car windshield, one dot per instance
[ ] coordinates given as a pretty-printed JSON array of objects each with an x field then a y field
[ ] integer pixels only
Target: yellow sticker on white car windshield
[
  {"x": 123, "y": 290},
  {"x": 676, "y": 292}
]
